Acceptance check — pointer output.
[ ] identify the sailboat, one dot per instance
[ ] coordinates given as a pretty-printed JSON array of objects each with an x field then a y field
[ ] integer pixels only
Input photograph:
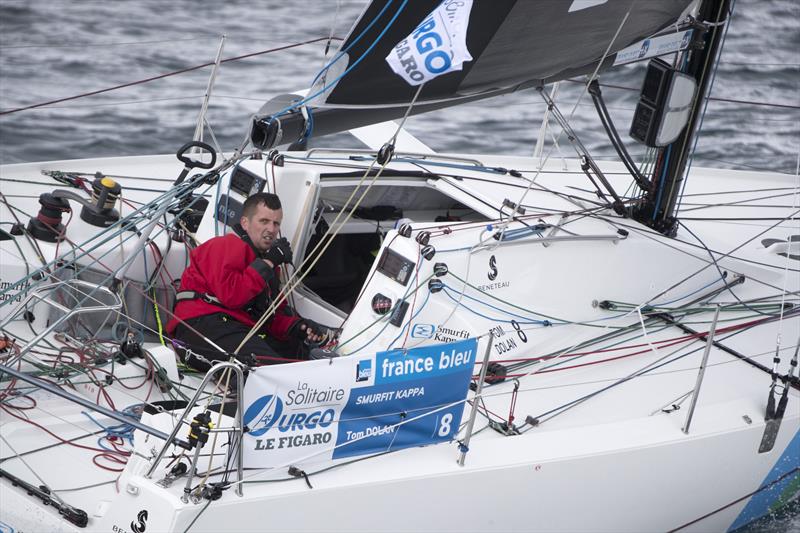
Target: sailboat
[{"x": 521, "y": 343}]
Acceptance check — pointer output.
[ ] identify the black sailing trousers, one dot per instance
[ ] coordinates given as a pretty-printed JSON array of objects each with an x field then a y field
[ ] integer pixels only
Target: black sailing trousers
[{"x": 226, "y": 332}]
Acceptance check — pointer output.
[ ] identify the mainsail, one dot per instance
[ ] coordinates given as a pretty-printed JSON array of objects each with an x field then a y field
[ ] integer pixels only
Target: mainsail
[{"x": 514, "y": 44}]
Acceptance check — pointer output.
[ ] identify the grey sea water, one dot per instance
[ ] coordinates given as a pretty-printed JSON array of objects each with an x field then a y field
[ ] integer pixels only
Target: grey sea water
[{"x": 54, "y": 49}]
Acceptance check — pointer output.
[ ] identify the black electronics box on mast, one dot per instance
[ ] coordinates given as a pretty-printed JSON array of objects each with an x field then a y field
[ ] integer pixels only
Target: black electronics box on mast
[
  {"x": 663, "y": 108},
  {"x": 646, "y": 118}
]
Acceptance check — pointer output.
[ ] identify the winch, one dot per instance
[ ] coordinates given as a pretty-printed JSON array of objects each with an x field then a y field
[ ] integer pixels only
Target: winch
[
  {"x": 46, "y": 225},
  {"x": 105, "y": 193},
  {"x": 98, "y": 211}
]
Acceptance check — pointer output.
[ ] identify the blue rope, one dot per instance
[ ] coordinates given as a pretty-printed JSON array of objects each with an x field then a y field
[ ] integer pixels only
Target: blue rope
[
  {"x": 342, "y": 52},
  {"x": 691, "y": 293},
  {"x": 343, "y": 74},
  {"x": 523, "y": 319},
  {"x": 122, "y": 431}
]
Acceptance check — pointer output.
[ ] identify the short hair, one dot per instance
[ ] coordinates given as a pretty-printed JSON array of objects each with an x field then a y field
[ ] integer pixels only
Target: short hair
[{"x": 260, "y": 198}]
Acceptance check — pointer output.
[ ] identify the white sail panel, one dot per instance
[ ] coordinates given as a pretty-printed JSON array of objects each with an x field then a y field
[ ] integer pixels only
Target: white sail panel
[{"x": 435, "y": 47}]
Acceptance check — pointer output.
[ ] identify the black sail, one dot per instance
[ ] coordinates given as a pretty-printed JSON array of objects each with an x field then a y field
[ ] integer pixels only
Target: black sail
[{"x": 514, "y": 44}]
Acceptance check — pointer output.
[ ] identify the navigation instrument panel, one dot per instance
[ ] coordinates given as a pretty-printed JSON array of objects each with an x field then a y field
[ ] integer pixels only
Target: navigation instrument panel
[
  {"x": 395, "y": 266},
  {"x": 245, "y": 182}
]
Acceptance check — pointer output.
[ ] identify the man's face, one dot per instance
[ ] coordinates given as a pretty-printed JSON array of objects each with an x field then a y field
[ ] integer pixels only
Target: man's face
[{"x": 263, "y": 226}]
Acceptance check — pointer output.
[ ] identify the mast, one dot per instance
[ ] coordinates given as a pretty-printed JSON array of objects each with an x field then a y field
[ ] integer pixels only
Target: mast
[{"x": 658, "y": 209}]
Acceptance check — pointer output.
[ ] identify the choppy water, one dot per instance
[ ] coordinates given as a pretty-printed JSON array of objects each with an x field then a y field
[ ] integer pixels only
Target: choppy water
[{"x": 51, "y": 49}]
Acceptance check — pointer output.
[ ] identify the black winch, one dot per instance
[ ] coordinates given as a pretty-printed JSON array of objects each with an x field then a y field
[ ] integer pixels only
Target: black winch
[
  {"x": 46, "y": 225},
  {"x": 105, "y": 193}
]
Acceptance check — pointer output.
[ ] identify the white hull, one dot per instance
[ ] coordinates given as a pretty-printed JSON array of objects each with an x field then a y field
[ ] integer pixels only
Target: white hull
[{"x": 614, "y": 462}]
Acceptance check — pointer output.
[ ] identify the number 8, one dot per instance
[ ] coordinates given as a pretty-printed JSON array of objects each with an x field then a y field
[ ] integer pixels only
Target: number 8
[
  {"x": 444, "y": 427},
  {"x": 522, "y": 336}
]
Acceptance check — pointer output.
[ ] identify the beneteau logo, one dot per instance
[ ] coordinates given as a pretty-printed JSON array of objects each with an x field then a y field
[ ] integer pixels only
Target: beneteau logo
[
  {"x": 140, "y": 524},
  {"x": 492, "y": 269}
]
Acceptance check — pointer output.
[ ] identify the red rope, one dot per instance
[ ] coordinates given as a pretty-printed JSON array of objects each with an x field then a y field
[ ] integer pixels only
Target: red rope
[
  {"x": 513, "y": 405},
  {"x": 50, "y": 221},
  {"x": 662, "y": 344},
  {"x": 671, "y": 341}
]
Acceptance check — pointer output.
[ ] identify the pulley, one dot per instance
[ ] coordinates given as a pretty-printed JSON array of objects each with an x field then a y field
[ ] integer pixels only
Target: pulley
[
  {"x": 276, "y": 158},
  {"x": 405, "y": 230},
  {"x": 496, "y": 373},
  {"x": 440, "y": 269},
  {"x": 213, "y": 491},
  {"x": 131, "y": 347},
  {"x": 435, "y": 285},
  {"x": 423, "y": 237},
  {"x": 266, "y": 132},
  {"x": 428, "y": 252},
  {"x": 385, "y": 154}
]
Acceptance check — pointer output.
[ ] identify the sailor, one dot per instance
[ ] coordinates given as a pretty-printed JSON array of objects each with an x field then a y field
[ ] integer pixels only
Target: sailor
[{"x": 230, "y": 282}]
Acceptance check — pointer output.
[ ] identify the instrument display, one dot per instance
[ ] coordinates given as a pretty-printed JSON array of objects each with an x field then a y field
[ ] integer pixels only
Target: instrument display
[
  {"x": 395, "y": 266},
  {"x": 245, "y": 182}
]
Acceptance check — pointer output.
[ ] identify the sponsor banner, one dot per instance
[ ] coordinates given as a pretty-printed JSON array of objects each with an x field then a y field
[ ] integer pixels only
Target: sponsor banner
[
  {"x": 657, "y": 46},
  {"x": 437, "y": 46},
  {"x": 323, "y": 410}
]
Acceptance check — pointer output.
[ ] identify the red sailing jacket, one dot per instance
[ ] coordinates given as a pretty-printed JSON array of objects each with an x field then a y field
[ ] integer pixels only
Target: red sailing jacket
[{"x": 227, "y": 268}]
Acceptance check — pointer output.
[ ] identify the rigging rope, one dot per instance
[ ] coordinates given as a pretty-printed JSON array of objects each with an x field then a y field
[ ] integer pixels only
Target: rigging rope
[
  {"x": 161, "y": 76},
  {"x": 711, "y": 98},
  {"x": 699, "y": 127}
]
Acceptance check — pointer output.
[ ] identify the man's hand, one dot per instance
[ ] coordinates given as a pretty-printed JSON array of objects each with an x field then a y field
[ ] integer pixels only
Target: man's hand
[
  {"x": 279, "y": 253},
  {"x": 311, "y": 332},
  {"x": 247, "y": 359}
]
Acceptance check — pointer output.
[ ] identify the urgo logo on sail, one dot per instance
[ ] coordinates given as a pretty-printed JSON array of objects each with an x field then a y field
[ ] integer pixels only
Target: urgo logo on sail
[{"x": 436, "y": 46}]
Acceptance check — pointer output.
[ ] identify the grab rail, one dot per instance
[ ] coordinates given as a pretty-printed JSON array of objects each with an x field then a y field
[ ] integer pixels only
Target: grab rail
[
  {"x": 545, "y": 241},
  {"x": 416, "y": 155},
  {"x": 239, "y": 428}
]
